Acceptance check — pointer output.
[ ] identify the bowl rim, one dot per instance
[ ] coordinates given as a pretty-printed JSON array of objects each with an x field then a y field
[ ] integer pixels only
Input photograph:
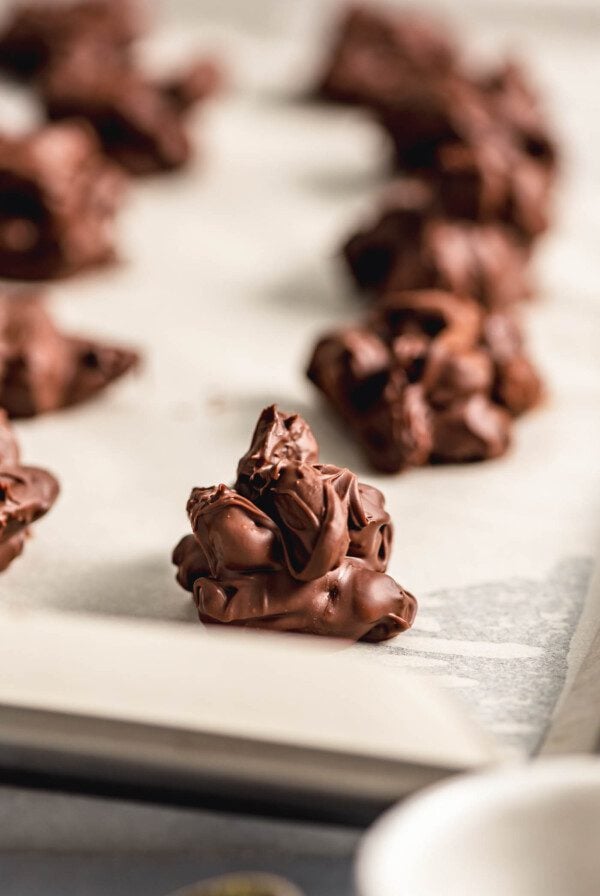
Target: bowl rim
[{"x": 419, "y": 817}]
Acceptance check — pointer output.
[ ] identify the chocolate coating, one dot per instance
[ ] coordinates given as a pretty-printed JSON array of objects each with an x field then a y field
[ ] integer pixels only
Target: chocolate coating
[
  {"x": 413, "y": 245},
  {"x": 376, "y": 51},
  {"x": 304, "y": 548},
  {"x": 26, "y": 494},
  {"x": 277, "y": 439},
  {"x": 58, "y": 198},
  {"x": 427, "y": 377},
  {"x": 469, "y": 430},
  {"x": 351, "y": 602},
  {"x": 43, "y": 369}
]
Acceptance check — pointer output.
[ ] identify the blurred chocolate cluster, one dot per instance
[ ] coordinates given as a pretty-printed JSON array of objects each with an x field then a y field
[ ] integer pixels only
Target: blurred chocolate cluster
[
  {"x": 58, "y": 199},
  {"x": 26, "y": 494},
  {"x": 476, "y": 145},
  {"x": 43, "y": 369},
  {"x": 294, "y": 546},
  {"x": 80, "y": 58},
  {"x": 414, "y": 244},
  {"x": 481, "y": 138},
  {"x": 426, "y": 378}
]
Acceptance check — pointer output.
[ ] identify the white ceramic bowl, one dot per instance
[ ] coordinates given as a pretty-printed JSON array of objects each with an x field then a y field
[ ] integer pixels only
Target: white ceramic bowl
[{"x": 522, "y": 831}]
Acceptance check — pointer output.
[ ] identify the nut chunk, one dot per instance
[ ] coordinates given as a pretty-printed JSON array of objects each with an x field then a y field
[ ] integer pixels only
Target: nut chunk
[
  {"x": 294, "y": 546},
  {"x": 427, "y": 378},
  {"x": 58, "y": 199}
]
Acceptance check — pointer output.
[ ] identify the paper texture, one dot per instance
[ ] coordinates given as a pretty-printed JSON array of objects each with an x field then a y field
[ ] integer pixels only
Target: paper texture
[
  {"x": 228, "y": 276},
  {"x": 259, "y": 711}
]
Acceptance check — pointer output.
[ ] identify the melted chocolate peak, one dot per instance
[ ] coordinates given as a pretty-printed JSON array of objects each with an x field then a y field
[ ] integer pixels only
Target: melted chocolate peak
[{"x": 278, "y": 438}]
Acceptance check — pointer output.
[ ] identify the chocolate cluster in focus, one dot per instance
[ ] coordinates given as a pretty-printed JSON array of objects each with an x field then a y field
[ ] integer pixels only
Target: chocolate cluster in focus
[
  {"x": 58, "y": 199},
  {"x": 294, "y": 545},
  {"x": 83, "y": 66},
  {"x": 26, "y": 494},
  {"x": 43, "y": 369},
  {"x": 427, "y": 378},
  {"x": 414, "y": 245}
]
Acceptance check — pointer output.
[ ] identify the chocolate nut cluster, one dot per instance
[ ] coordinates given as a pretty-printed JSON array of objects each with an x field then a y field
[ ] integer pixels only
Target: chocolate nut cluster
[
  {"x": 58, "y": 199},
  {"x": 141, "y": 123},
  {"x": 481, "y": 139},
  {"x": 294, "y": 545},
  {"x": 43, "y": 369},
  {"x": 482, "y": 168},
  {"x": 80, "y": 58},
  {"x": 413, "y": 244},
  {"x": 26, "y": 494},
  {"x": 427, "y": 378}
]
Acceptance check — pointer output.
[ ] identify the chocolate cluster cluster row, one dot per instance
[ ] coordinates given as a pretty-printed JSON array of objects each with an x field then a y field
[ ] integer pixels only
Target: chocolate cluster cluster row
[
  {"x": 438, "y": 370},
  {"x": 294, "y": 545},
  {"x": 61, "y": 186}
]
